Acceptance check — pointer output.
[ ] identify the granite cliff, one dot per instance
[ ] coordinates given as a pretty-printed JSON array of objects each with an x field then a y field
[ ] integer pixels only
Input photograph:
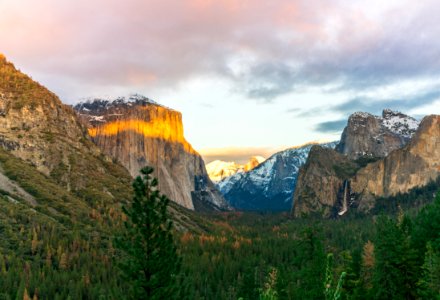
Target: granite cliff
[
  {"x": 320, "y": 182},
  {"x": 376, "y": 136},
  {"x": 377, "y": 157},
  {"x": 415, "y": 165},
  {"x": 136, "y": 132}
]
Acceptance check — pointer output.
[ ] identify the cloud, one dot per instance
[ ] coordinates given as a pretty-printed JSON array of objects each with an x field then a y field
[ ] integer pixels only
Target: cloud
[
  {"x": 270, "y": 80},
  {"x": 266, "y": 49},
  {"x": 371, "y": 105},
  {"x": 331, "y": 126}
]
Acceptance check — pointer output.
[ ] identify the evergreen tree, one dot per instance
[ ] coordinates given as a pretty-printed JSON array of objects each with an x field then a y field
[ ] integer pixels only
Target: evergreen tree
[
  {"x": 427, "y": 228},
  {"x": 330, "y": 292},
  {"x": 429, "y": 283},
  {"x": 269, "y": 291},
  {"x": 150, "y": 260},
  {"x": 395, "y": 260},
  {"x": 247, "y": 285},
  {"x": 311, "y": 262}
]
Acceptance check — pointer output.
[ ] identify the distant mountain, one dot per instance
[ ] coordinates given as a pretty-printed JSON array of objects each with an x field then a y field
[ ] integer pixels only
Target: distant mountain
[
  {"x": 219, "y": 170},
  {"x": 136, "y": 131},
  {"x": 376, "y": 136},
  {"x": 268, "y": 187}
]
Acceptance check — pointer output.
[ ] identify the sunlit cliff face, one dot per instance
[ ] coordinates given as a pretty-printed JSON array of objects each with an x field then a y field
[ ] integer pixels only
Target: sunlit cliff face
[{"x": 155, "y": 129}]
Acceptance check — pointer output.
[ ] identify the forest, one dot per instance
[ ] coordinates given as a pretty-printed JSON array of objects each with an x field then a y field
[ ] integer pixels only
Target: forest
[{"x": 393, "y": 254}]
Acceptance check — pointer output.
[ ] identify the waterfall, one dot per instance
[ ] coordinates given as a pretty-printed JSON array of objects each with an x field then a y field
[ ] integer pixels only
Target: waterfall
[{"x": 344, "y": 201}]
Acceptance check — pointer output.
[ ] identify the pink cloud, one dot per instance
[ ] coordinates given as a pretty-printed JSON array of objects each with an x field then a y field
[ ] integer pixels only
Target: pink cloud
[{"x": 162, "y": 43}]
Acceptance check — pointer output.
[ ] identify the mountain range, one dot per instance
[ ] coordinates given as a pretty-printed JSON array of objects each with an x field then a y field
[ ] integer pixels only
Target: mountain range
[
  {"x": 269, "y": 186},
  {"x": 219, "y": 170},
  {"x": 109, "y": 140}
]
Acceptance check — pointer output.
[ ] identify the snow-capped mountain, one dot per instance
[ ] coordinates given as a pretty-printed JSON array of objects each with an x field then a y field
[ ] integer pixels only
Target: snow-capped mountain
[
  {"x": 376, "y": 136},
  {"x": 269, "y": 186},
  {"x": 106, "y": 103},
  {"x": 399, "y": 123},
  {"x": 219, "y": 170}
]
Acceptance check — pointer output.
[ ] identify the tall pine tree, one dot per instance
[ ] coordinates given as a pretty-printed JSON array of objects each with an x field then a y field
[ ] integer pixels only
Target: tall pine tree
[
  {"x": 150, "y": 260},
  {"x": 395, "y": 261},
  {"x": 429, "y": 283}
]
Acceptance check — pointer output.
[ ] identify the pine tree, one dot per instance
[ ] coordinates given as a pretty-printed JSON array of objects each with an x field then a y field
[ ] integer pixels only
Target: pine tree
[
  {"x": 64, "y": 261},
  {"x": 150, "y": 261},
  {"x": 21, "y": 290},
  {"x": 310, "y": 260},
  {"x": 269, "y": 291},
  {"x": 2, "y": 265},
  {"x": 427, "y": 228},
  {"x": 330, "y": 292},
  {"x": 395, "y": 260},
  {"x": 34, "y": 243},
  {"x": 429, "y": 283},
  {"x": 26, "y": 295}
]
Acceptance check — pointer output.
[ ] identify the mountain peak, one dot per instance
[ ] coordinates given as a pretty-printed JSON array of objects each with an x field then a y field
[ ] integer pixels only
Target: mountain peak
[
  {"x": 387, "y": 112},
  {"x": 219, "y": 170},
  {"x": 399, "y": 123},
  {"x": 361, "y": 114},
  {"x": 376, "y": 136},
  {"x": 105, "y": 103}
]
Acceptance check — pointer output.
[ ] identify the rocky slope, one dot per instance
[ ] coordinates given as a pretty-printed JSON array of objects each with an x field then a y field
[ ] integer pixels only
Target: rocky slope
[
  {"x": 415, "y": 165},
  {"x": 270, "y": 185},
  {"x": 374, "y": 136},
  {"x": 348, "y": 183},
  {"x": 50, "y": 170},
  {"x": 219, "y": 170},
  {"x": 137, "y": 132},
  {"x": 37, "y": 128}
]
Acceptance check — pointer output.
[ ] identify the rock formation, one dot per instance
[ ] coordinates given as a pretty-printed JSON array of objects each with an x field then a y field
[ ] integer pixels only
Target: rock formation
[
  {"x": 137, "y": 132},
  {"x": 415, "y": 165},
  {"x": 320, "y": 181},
  {"x": 330, "y": 181},
  {"x": 374, "y": 136}
]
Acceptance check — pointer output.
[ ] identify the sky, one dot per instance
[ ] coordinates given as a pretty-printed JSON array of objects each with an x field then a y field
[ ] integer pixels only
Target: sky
[{"x": 250, "y": 77}]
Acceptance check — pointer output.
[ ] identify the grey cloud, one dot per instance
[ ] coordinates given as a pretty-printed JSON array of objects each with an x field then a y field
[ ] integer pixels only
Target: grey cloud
[
  {"x": 104, "y": 44},
  {"x": 373, "y": 106},
  {"x": 376, "y": 106},
  {"x": 269, "y": 80},
  {"x": 331, "y": 126},
  {"x": 309, "y": 113},
  {"x": 399, "y": 49},
  {"x": 293, "y": 110}
]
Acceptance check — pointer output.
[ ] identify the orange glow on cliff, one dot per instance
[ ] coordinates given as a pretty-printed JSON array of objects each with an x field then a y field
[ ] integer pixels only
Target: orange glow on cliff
[{"x": 154, "y": 129}]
